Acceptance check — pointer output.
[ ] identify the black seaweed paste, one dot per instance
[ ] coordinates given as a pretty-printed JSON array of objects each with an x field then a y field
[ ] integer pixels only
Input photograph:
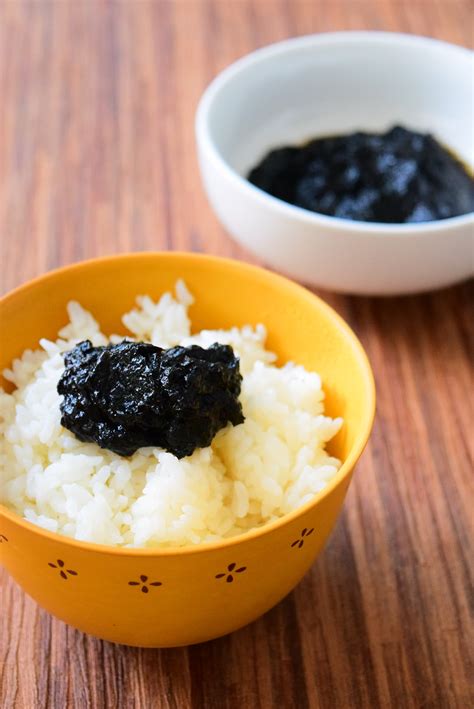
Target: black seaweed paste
[
  {"x": 134, "y": 394},
  {"x": 396, "y": 177}
]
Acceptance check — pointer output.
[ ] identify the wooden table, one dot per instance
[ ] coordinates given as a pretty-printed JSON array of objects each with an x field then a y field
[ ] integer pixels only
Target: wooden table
[{"x": 97, "y": 156}]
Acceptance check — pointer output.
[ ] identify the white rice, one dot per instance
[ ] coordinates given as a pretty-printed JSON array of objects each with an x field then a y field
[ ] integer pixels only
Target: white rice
[{"x": 251, "y": 474}]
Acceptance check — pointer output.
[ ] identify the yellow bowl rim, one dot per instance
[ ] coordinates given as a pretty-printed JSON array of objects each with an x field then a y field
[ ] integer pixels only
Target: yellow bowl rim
[{"x": 274, "y": 279}]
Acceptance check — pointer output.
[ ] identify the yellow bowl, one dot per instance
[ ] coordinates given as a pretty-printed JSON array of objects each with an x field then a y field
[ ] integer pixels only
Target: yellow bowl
[{"x": 89, "y": 585}]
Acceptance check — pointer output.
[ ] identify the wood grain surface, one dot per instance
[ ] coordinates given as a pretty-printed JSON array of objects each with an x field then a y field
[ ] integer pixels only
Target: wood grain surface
[{"x": 97, "y": 156}]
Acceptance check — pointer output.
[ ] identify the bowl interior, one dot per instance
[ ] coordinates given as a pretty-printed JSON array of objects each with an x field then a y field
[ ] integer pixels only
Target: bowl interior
[
  {"x": 300, "y": 326},
  {"x": 334, "y": 83}
]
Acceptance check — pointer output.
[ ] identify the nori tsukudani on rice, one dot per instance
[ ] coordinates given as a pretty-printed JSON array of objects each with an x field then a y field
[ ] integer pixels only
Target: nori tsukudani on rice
[{"x": 250, "y": 474}]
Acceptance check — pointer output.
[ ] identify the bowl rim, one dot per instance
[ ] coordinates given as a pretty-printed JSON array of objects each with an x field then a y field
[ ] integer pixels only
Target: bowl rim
[
  {"x": 275, "y": 280},
  {"x": 206, "y": 143}
]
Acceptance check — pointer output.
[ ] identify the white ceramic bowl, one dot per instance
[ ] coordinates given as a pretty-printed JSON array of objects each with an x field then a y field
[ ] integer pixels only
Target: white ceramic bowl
[{"x": 327, "y": 84}]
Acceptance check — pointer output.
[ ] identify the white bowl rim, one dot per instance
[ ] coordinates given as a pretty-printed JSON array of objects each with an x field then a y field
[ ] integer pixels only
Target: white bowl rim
[{"x": 206, "y": 142}]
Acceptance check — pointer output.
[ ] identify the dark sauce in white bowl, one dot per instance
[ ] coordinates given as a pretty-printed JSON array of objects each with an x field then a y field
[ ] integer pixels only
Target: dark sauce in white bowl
[{"x": 398, "y": 177}]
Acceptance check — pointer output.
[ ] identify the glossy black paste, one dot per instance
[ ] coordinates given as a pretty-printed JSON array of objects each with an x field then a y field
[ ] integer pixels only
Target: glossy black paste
[
  {"x": 397, "y": 177},
  {"x": 134, "y": 394}
]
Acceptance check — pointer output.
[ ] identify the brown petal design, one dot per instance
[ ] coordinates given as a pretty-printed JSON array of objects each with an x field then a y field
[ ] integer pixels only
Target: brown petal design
[
  {"x": 219, "y": 576},
  {"x": 239, "y": 571},
  {"x": 134, "y": 583},
  {"x": 63, "y": 575},
  {"x": 230, "y": 578},
  {"x": 60, "y": 562},
  {"x": 232, "y": 566},
  {"x": 156, "y": 583},
  {"x": 53, "y": 566},
  {"x": 72, "y": 572},
  {"x": 143, "y": 578},
  {"x": 144, "y": 589}
]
